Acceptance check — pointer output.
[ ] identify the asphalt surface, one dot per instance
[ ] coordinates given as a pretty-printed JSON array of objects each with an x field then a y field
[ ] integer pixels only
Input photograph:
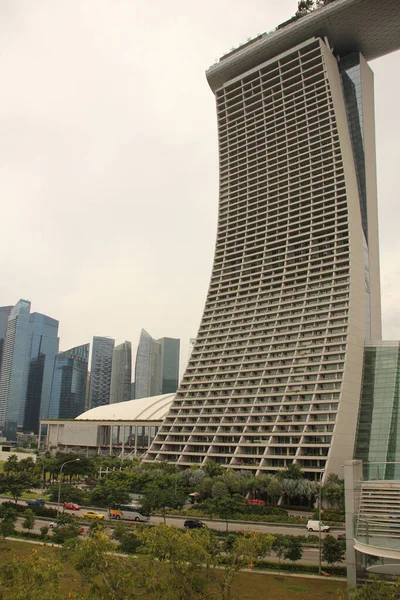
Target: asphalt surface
[
  {"x": 285, "y": 529},
  {"x": 310, "y": 555}
]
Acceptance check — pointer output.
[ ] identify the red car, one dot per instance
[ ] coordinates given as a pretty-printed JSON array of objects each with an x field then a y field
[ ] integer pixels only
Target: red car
[{"x": 71, "y": 506}]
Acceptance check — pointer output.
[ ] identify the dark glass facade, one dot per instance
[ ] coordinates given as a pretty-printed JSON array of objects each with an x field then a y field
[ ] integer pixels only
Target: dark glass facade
[
  {"x": 378, "y": 432},
  {"x": 100, "y": 371},
  {"x": 69, "y": 383},
  {"x": 169, "y": 364},
  {"x": 43, "y": 349}
]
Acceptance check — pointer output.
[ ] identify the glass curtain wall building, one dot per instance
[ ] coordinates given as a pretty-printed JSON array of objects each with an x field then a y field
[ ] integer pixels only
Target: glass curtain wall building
[
  {"x": 157, "y": 366},
  {"x": 43, "y": 341},
  {"x": 14, "y": 369},
  {"x": 169, "y": 364},
  {"x": 100, "y": 371},
  {"x": 5, "y": 312},
  {"x": 68, "y": 391},
  {"x": 148, "y": 367},
  {"x": 275, "y": 374},
  {"x": 378, "y": 432},
  {"x": 121, "y": 373}
]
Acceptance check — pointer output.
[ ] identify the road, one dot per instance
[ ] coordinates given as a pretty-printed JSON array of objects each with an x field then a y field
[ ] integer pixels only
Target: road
[
  {"x": 284, "y": 529},
  {"x": 310, "y": 555}
]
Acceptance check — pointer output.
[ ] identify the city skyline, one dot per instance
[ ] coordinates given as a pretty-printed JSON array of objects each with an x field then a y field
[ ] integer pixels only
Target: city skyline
[{"x": 128, "y": 155}]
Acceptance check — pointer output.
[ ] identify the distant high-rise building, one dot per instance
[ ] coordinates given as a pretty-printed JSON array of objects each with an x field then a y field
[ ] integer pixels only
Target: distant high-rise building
[
  {"x": 100, "y": 371},
  {"x": 68, "y": 391},
  {"x": 192, "y": 342},
  {"x": 148, "y": 367},
  {"x": 14, "y": 369},
  {"x": 121, "y": 373},
  {"x": 169, "y": 364},
  {"x": 157, "y": 366},
  {"x": 4, "y": 314},
  {"x": 43, "y": 349}
]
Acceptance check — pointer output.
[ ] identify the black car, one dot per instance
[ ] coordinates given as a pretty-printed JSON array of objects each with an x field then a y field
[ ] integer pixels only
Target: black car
[
  {"x": 192, "y": 524},
  {"x": 341, "y": 536}
]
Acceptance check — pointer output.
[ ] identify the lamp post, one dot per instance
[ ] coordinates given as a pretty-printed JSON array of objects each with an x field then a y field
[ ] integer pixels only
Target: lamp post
[
  {"x": 319, "y": 526},
  {"x": 59, "y": 483}
]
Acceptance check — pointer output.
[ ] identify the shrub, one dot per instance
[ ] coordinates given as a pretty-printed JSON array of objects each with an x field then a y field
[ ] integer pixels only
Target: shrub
[
  {"x": 298, "y": 568},
  {"x": 39, "y": 511}
]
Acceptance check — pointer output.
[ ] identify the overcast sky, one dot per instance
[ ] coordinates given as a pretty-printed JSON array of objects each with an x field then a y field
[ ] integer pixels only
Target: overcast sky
[{"x": 108, "y": 160}]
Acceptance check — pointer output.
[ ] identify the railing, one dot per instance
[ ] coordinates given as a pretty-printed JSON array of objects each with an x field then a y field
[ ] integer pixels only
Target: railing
[{"x": 377, "y": 533}]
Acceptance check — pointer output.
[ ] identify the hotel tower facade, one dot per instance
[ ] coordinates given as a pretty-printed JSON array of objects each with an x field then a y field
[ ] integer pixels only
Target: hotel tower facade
[{"x": 276, "y": 372}]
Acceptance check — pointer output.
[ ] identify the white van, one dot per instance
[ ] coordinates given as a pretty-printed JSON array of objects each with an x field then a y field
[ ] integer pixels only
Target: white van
[{"x": 316, "y": 525}]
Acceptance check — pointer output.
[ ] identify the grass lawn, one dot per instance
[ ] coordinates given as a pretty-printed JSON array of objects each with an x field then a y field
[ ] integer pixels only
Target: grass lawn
[{"x": 248, "y": 586}]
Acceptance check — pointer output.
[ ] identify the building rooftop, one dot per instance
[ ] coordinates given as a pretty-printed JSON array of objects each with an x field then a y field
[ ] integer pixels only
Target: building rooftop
[
  {"x": 143, "y": 409},
  {"x": 371, "y": 27}
]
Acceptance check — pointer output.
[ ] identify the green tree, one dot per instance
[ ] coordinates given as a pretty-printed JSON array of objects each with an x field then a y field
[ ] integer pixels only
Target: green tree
[
  {"x": 109, "y": 492},
  {"x": 279, "y": 546},
  {"x": 29, "y": 521},
  {"x": 15, "y": 484},
  {"x": 11, "y": 465},
  {"x": 7, "y": 523},
  {"x": 333, "y": 491},
  {"x": 304, "y": 7},
  {"x": 226, "y": 507},
  {"x": 242, "y": 553},
  {"x": 294, "y": 549},
  {"x": 332, "y": 550},
  {"x": 376, "y": 589},
  {"x": 213, "y": 469},
  {"x": 127, "y": 538},
  {"x": 68, "y": 493},
  {"x": 157, "y": 496},
  {"x": 36, "y": 577},
  {"x": 176, "y": 566},
  {"x": 293, "y": 471},
  {"x": 65, "y": 532}
]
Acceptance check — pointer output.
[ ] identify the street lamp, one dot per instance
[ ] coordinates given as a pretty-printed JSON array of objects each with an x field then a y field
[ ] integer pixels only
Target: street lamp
[
  {"x": 320, "y": 526},
  {"x": 59, "y": 483}
]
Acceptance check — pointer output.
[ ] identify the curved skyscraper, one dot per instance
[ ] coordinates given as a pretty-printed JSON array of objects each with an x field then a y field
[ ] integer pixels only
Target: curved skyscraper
[
  {"x": 121, "y": 373},
  {"x": 275, "y": 374}
]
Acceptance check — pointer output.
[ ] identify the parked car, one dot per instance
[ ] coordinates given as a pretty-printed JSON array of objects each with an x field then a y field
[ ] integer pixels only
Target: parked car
[
  {"x": 316, "y": 526},
  {"x": 71, "y": 506},
  {"x": 92, "y": 514},
  {"x": 36, "y": 502},
  {"x": 193, "y": 524},
  {"x": 341, "y": 536}
]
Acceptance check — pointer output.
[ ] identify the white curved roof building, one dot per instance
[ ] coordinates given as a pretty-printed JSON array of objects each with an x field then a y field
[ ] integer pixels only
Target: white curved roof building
[
  {"x": 124, "y": 428},
  {"x": 143, "y": 409}
]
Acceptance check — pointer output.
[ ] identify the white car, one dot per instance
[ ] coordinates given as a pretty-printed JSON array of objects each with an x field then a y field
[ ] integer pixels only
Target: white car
[
  {"x": 52, "y": 525},
  {"x": 316, "y": 526}
]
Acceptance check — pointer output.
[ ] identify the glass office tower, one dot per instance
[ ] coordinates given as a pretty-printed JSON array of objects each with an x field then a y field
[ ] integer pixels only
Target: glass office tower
[
  {"x": 5, "y": 312},
  {"x": 68, "y": 391},
  {"x": 157, "y": 366},
  {"x": 275, "y": 374},
  {"x": 100, "y": 371},
  {"x": 169, "y": 364},
  {"x": 121, "y": 373},
  {"x": 148, "y": 367},
  {"x": 43, "y": 341},
  {"x": 14, "y": 369}
]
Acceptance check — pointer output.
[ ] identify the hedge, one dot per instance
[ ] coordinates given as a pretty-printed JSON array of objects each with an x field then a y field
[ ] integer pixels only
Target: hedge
[
  {"x": 299, "y": 568},
  {"x": 39, "y": 511}
]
